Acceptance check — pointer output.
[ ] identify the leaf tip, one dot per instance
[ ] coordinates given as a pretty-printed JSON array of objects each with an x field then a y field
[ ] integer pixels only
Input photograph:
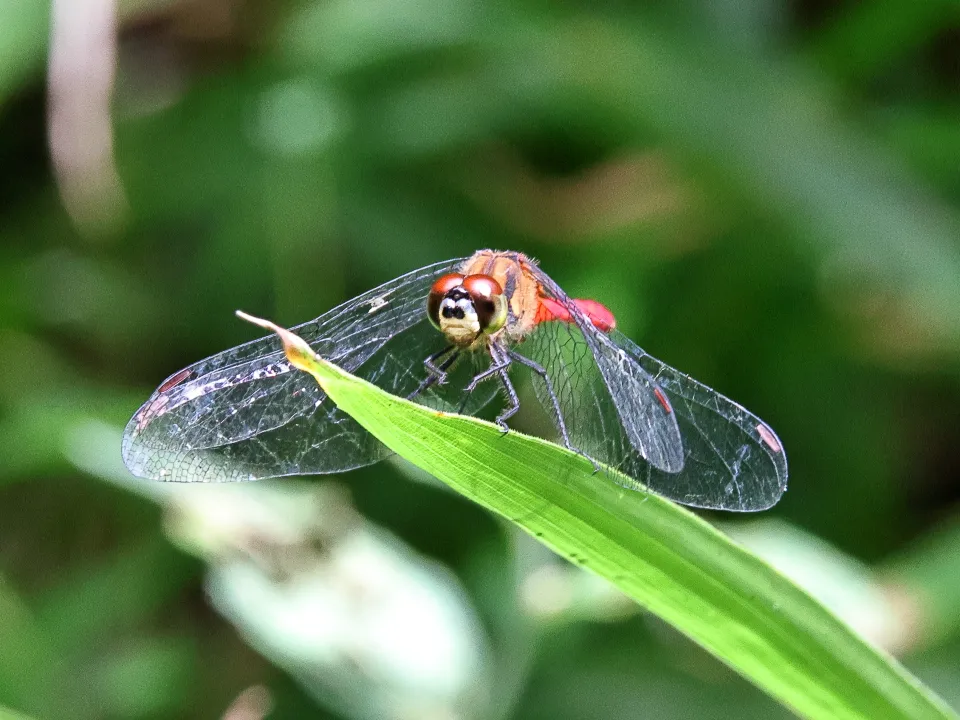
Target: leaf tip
[
  {"x": 298, "y": 352},
  {"x": 255, "y": 320}
]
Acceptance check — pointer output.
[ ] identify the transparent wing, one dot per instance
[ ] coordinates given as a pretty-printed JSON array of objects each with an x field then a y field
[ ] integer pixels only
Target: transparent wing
[
  {"x": 245, "y": 413},
  {"x": 732, "y": 459},
  {"x": 638, "y": 404},
  {"x": 622, "y": 407}
]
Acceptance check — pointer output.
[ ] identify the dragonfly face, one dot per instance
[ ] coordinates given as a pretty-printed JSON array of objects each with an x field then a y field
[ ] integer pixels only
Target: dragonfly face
[
  {"x": 466, "y": 309},
  {"x": 450, "y": 335}
]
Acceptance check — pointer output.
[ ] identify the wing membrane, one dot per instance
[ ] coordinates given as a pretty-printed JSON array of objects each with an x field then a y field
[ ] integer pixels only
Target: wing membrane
[
  {"x": 665, "y": 431},
  {"x": 634, "y": 395},
  {"x": 245, "y": 413},
  {"x": 732, "y": 459}
]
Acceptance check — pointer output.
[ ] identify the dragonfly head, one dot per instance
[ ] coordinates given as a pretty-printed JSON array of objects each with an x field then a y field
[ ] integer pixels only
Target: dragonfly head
[{"x": 465, "y": 308}]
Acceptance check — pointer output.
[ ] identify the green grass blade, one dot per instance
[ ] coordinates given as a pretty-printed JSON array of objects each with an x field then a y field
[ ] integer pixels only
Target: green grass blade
[
  {"x": 7, "y": 714},
  {"x": 663, "y": 556}
]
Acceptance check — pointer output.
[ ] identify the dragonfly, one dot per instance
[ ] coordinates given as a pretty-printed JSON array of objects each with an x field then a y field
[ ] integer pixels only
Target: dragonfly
[{"x": 449, "y": 336}]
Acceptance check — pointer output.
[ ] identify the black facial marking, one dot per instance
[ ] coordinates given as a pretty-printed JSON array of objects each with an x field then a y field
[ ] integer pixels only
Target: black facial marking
[{"x": 454, "y": 302}]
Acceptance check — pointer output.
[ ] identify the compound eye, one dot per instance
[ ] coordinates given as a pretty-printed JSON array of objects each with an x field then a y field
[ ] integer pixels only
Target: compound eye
[
  {"x": 440, "y": 288},
  {"x": 488, "y": 300}
]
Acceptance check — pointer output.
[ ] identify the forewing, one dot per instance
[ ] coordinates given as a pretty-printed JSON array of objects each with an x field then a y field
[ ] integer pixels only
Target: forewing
[{"x": 246, "y": 413}]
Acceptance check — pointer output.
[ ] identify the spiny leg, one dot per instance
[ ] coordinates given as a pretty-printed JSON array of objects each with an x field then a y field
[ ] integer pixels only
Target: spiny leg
[
  {"x": 555, "y": 402},
  {"x": 433, "y": 369},
  {"x": 498, "y": 367},
  {"x": 436, "y": 373},
  {"x": 500, "y": 364},
  {"x": 514, "y": 401}
]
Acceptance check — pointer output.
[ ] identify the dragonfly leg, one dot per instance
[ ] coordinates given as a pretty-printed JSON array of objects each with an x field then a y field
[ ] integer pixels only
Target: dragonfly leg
[
  {"x": 439, "y": 372},
  {"x": 499, "y": 365},
  {"x": 514, "y": 401},
  {"x": 501, "y": 362},
  {"x": 555, "y": 404},
  {"x": 554, "y": 400},
  {"x": 436, "y": 374}
]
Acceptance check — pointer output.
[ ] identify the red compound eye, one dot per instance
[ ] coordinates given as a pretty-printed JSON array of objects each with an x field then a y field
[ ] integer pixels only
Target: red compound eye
[
  {"x": 482, "y": 287},
  {"x": 446, "y": 283},
  {"x": 488, "y": 300},
  {"x": 441, "y": 287}
]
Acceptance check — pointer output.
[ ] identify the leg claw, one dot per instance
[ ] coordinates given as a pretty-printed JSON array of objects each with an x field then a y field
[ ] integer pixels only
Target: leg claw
[{"x": 581, "y": 453}]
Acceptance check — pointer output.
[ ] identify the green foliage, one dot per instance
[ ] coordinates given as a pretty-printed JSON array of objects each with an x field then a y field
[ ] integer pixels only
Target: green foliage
[
  {"x": 663, "y": 556},
  {"x": 765, "y": 193}
]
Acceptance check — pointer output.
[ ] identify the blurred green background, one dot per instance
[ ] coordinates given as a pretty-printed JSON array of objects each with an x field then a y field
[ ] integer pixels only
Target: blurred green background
[{"x": 765, "y": 193}]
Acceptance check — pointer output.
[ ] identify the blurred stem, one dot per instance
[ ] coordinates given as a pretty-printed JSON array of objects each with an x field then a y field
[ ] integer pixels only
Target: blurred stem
[{"x": 83, "y": 53}]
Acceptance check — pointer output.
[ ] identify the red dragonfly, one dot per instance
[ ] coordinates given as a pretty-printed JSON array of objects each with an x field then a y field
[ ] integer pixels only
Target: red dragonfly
[{"x": 448, "y": 336}]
